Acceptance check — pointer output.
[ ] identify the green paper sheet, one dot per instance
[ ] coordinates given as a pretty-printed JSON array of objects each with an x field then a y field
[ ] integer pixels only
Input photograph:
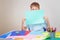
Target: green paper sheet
[{"x": 34, "y": 17}]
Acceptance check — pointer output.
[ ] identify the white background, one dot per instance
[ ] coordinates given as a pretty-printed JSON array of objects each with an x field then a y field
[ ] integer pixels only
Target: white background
[{"x": 12, "y": 12}]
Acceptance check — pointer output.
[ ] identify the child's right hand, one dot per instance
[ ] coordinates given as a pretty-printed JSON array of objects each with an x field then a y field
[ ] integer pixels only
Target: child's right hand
[{"x": 24, "y": 28}]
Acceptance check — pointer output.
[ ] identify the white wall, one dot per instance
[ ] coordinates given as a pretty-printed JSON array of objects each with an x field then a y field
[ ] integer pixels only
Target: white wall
[{"x": 12, "y": 12}]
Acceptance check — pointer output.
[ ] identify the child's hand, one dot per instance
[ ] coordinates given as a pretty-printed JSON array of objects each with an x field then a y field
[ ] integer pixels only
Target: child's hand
[
  {"x": 24, "y": 28},
  {"x": 51, "y": 29}
]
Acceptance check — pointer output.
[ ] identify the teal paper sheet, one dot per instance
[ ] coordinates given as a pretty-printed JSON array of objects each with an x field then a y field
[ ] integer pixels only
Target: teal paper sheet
[{"x": 34, "y": 17}]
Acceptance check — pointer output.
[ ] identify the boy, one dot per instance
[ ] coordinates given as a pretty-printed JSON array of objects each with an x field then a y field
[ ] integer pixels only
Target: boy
[{"x": 34, "y": 6}]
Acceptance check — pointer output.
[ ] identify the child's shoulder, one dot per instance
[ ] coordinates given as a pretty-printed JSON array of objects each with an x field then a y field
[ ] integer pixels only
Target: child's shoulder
[
  {"x": 45, "y": 17},
  {"x": 23, "y": 19}
]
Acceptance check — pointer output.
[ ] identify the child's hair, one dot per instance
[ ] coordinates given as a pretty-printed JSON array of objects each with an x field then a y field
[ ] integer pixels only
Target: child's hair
[{"x": 35, "y": 4}]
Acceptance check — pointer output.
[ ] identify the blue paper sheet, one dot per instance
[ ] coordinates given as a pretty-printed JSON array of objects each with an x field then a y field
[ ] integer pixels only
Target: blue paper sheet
[
  {"x": 37, "y": 32},
  {"x": 5, "y": 35}
]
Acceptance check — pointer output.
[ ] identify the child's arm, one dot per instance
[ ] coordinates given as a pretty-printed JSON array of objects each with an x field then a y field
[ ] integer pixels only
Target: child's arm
[
  {"x": 47, "y": 20},
  {"x": 23, "y": 25}
]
